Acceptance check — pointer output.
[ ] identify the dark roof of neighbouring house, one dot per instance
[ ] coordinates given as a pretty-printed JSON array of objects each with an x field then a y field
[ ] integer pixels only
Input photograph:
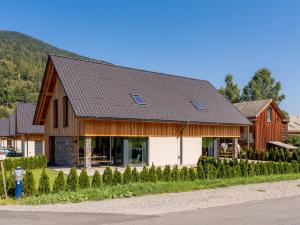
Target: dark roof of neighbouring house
[
  {"x": 24, "y": 118},
  {"x": 97, "y": 90},
  {"x": 12, "y": 124},
  {"x": 252, "y": 109},
  {"x": 4, "y": 127}
]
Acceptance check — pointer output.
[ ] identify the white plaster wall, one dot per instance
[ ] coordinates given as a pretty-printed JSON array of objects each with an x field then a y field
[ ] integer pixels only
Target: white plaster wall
[
  {"x": 18, "y": 145},
  {"x": 163, "y": 151},
  {"x": 192, "y": 149},
  {"x": 28, "y": 148},
  {"x": 3, "y": 143}
]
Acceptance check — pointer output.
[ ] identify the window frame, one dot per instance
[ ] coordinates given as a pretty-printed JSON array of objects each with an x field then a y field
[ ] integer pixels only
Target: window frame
[
  {"x": 65, "y": 111},
  {"x": 198, "y": 105},
  {"x": 269, "y": 114},
  {"x": 142, "y": 102},
  {"x": 55, "y": 113}
]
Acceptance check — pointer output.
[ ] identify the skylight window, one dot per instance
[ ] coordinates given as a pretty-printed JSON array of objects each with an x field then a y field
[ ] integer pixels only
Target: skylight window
[
  {"x": 198, "y": 105},
  {"x": 138, "y": 100}
]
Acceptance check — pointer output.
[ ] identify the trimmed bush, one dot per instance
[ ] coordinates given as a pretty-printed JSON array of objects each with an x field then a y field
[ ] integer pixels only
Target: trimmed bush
[
  {"x": 211, "y": 172},
  {"x": 295, "y": 166},
  {"x": 72, "y": 180},
  {"x": 167, "y": 173},
  {"x": 44, "y": 184},
  {"x": 159, "y": 174},
  {"x": 257, "y": 169},
  {"x": 228, "y": 171},
  {"x": 1, "y": 186},
  {"x": 59, "y": 183},
  {"x": 83, "y": 180},
  {"x": 96, "y": 182},
  {"x": 184, "y": 173},
  {"x": 192, "y": 174},
  {"x": 152, "y": 176},
  {"x": 117, "y": 177},
  {"x": 221, "y": 171},
  {"x": 135, "y": 175},
  {"x": 107, "y": 176},
  {"x": 27, "y": 163},
  {"x": 200, "y": 172},
  {"x": 144, "y": 174},
  {"x": 175, "y": 174},
  {"x": 251, "y": 171},
  {"x": 127, "y": 175},
  {"x": 28, "y": 184}
]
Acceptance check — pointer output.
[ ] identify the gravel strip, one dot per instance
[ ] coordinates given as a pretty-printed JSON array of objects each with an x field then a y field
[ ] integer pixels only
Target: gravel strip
[{"x": 174, "y": 202}]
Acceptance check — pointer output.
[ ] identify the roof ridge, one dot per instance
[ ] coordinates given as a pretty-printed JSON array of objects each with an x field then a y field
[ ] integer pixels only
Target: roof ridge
[
  {"x": 259, "y": 100},
  {"x": 130, "y": 68}
]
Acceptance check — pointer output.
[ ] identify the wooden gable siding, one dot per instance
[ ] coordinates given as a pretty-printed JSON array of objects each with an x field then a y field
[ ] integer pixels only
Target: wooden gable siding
[
  {"x": 71, "y": 130},
  {"x": 89, "y": 127},
  {"x": 267, "y": 131}
]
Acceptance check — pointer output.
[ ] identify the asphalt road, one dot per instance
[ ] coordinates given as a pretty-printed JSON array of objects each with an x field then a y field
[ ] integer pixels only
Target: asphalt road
[{"x": 281, "y": 211}]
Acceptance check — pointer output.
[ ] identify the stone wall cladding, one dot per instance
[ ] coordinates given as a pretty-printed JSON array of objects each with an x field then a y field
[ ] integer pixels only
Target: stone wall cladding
[{"x": 65, "y": 151}]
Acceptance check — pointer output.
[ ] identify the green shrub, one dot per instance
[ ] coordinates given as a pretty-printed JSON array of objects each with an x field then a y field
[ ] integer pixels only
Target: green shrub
[
  {"x": 200, "y": 172},
  {"x": 96, "y": 182},
  {"x": 107, "y": 176},
  {"x": 83, "y": 180},
  {"x": 152, "y": 176},
  {"x": 275, "y": 168},
  {"x": 257, "y": 169},
  {"x": 237, "y": 170},
  {"x": 211, "y": 172},
  {"x": 295, "y": 166},
  {"x": 144, "y": 174},
  {"x": 280, "y": 168},
  {"x": 72, "y": 180},
  {"x": 221, "y": 171},
  {"x": 192, "y": 174},
  {"x": 167, "y": 173},
  {"x": 59, "y": 183},
  {"x": 135, "y": 175},
  {"x": 251, "y": 171},
  {"x": 10, "y": 185},
  {"x": 44, "y": 184},
  {"x": 159, "y": 174},
  {"x": 175, "y": 174},
  {"x": 27, "y": 163},
  {"x": 28, "y": 184},
  {"x": 1, "y": 186},
  {"x": 117, "y": 177},
  {"x": 127, "y": 175},
  {"x": 228, "y": 171},
  {"x": 184, "y": 174}
]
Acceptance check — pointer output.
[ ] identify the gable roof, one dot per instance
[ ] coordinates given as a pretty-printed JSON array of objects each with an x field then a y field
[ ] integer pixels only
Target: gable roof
[
  {"x": 24, "y": 118},
  {"x": 104, "y": 91},
  {"x": 294, "y": 124},
  {"x": 4, "y": 127},
  {"x": 252, "y": 109},
  {"x": 12, "y": 124}
]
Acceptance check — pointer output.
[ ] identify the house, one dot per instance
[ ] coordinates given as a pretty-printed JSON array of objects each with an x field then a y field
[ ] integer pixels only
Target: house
[
  {"x": 294, "y": 126},
  {"x": 24, "y": 136},
  {"x": 5, "y": 140},
  {"x": 101, "y": 113},
  {"x": 269, "y": 124}
]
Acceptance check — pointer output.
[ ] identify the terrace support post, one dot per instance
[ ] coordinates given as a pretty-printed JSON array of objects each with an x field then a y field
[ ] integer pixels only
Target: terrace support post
[
  {"x": 248, "y": 137},
  {"x": 88, "y": 153},
  {"x": 235, "y": 148}
]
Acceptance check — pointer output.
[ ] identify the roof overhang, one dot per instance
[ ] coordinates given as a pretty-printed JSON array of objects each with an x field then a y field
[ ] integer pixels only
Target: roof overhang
[{"x": 282, "y": 145}]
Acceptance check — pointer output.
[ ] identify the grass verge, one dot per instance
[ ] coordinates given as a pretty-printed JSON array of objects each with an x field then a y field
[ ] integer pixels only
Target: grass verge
[{"x": 139, "y": 189}]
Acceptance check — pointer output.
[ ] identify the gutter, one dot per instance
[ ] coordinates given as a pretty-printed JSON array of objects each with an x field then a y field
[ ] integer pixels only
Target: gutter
[{"x": 181, "y": 142}]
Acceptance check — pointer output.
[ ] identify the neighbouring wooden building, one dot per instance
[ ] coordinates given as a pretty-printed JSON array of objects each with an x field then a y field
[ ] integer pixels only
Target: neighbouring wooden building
[
  {"x": 269, "y": 124},
  {"x": 5, "y": 139},
  {"x": 102, "y": 113}
]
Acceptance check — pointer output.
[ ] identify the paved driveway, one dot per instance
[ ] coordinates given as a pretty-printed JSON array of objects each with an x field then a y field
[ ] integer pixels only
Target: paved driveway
[{"x": 280, "y": 211}]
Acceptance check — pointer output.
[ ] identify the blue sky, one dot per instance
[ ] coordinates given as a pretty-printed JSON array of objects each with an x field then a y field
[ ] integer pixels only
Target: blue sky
[{"x": 200, "y": 39}]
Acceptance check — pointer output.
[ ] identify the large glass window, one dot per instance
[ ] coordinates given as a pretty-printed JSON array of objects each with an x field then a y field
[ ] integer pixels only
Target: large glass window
[
  {"x": 137, "y": 150},
  {"x": 208, "y": 147},
  {"x": 269, "y": 114}
]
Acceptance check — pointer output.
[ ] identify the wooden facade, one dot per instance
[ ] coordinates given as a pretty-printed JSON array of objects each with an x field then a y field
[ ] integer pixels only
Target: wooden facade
[{"x": 265, "y": 130}]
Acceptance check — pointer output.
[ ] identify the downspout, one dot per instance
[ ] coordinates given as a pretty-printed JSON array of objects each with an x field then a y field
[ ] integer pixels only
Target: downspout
[{"x": 181, "y": 141}]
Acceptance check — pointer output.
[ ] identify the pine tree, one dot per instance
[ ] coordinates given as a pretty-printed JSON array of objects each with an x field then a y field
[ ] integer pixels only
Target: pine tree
[
  {"x": 135, "y": 175},
  {"x": 175, "y": 174},
  {"x": 84, "y": 181},
  {"x": 117, "y": 177},
  {"x": 184, "y": 173},
  {"x": 44, "y": 185},
  {"x": 72, "y": 180},
  {"x": 167, "y": 173},
  {"x": 200, "y": 172},
  {"x": 59, "y": 183},
  {"x": 144, "y": 174},
  {"x": 96, "y": 182},
  {"x": 192, "y": 174},
  {"x": 28, "y": 184},
  {"x": 159, "y": 174},
  {"x": 107, "y": 176},
  {"x": 152, "y": 176},
  {"x": 127, "y": 175}
]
